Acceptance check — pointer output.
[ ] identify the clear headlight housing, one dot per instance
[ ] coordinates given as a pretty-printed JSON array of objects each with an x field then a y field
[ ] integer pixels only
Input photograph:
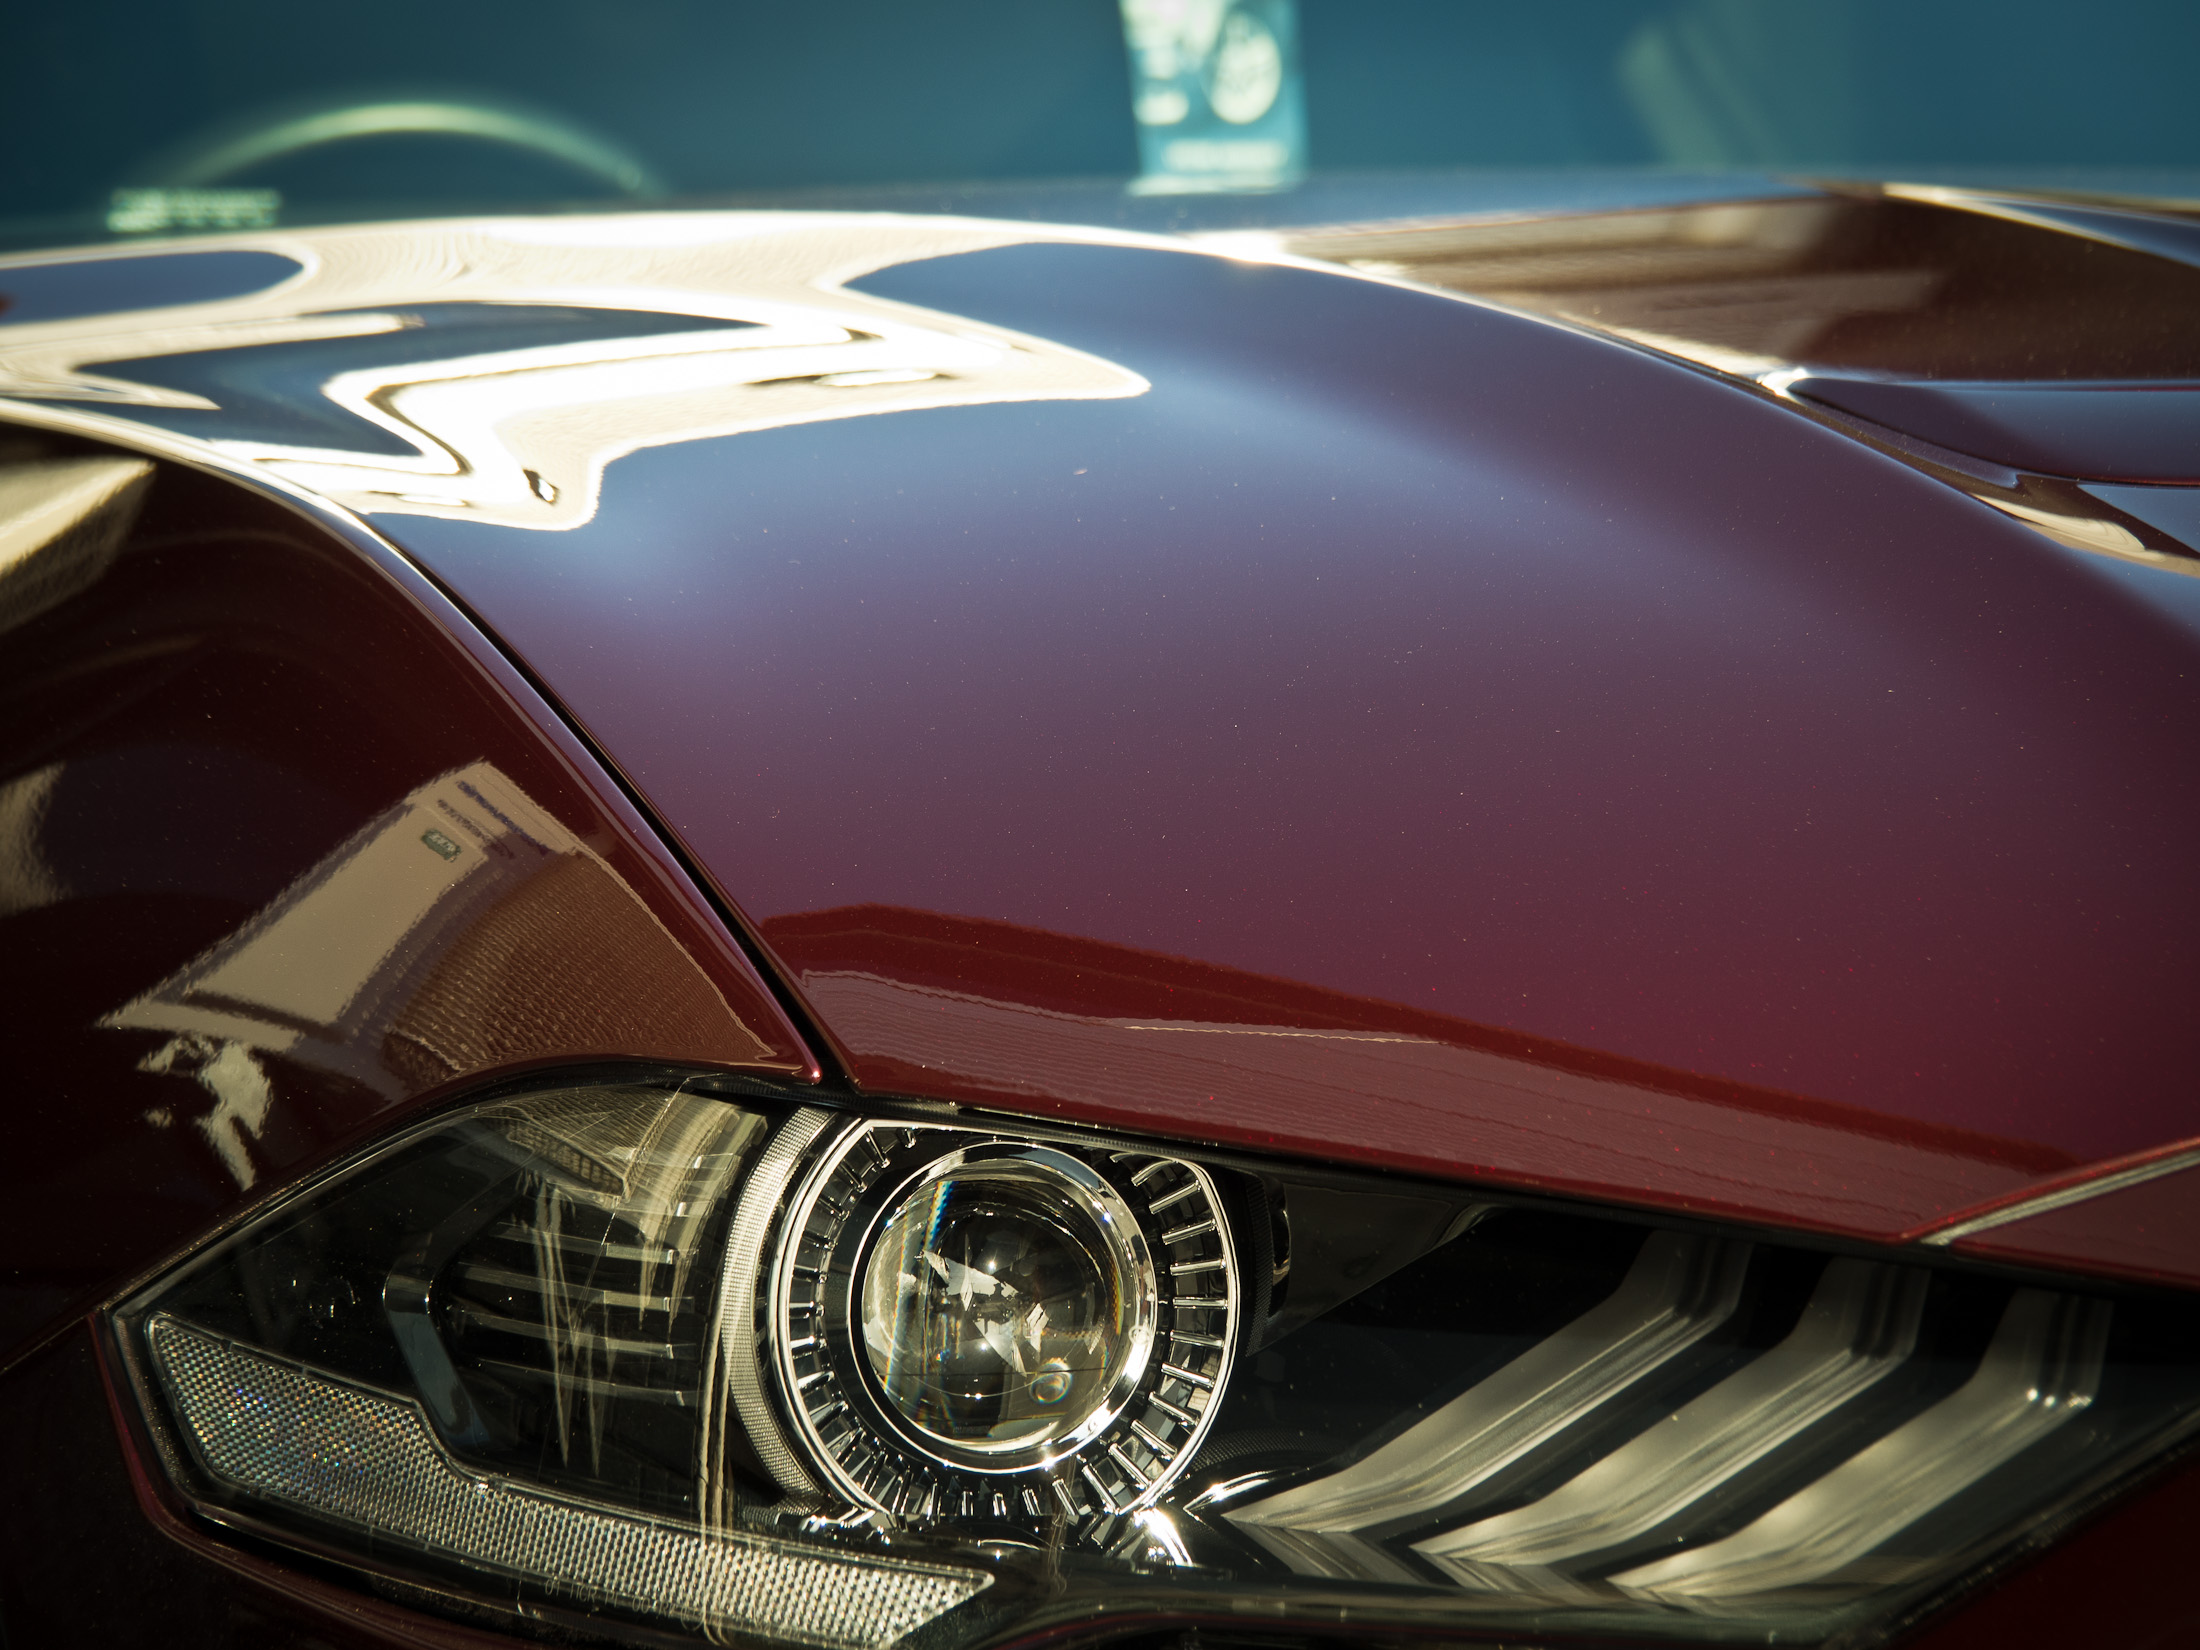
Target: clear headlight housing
[{"x": 732, "y": 1362}]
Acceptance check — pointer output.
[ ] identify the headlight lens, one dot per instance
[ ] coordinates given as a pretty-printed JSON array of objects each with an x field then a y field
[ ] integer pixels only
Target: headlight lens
[
  {"x": 1001, "y": 1330},
  {"x": 755, "y": 1368},
  {"x": 1003, "y": 1303}
]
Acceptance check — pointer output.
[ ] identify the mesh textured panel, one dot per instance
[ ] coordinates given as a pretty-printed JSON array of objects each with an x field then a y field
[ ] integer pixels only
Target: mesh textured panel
[{"x": 367, "y": 1459}]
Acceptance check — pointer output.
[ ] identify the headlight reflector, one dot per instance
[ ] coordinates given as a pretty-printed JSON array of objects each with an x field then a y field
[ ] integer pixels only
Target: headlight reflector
[
  {"x": 988, "y": 1329},
  {"x": 753, "y": 1367}
]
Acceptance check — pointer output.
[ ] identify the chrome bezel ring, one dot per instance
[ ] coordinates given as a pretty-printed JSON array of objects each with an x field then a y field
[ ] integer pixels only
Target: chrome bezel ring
[{"x": 1174, "y": 1243}]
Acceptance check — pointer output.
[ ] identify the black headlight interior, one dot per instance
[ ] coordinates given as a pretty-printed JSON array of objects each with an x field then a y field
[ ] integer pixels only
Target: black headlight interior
[{"x": 672, "y": 1355}]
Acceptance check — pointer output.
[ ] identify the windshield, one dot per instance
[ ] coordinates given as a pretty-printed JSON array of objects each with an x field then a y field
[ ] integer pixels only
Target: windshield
[{"x": 131, "y": 118}]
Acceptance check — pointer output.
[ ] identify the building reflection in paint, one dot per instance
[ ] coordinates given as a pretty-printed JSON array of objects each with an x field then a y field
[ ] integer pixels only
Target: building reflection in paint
[{"x": 463, "y": 930}]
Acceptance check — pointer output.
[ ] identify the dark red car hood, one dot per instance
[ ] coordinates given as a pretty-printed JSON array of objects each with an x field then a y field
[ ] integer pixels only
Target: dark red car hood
[
  {"x": 1515, "y": 692},
  {"x": 1377, "y": 724}
]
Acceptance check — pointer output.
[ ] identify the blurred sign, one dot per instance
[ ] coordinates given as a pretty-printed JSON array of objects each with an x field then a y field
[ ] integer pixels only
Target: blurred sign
[
  {"x": 154, "y": 211},
  {"x": 1215, "y": 88}
]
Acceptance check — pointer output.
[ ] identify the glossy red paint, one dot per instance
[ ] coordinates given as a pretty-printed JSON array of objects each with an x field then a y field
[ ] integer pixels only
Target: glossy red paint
[
  {"x": 285, "y": 861},
  {"x": 983, "y": 748},
  {"x": 1025, "y": 1020},
  {"x": 2149, "y": 1232},
  {"x": 1432, "y": 657}
]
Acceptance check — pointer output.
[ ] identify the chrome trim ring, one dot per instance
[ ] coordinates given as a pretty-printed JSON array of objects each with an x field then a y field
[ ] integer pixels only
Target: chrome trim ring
[{"x": 1133, "y": 1444}]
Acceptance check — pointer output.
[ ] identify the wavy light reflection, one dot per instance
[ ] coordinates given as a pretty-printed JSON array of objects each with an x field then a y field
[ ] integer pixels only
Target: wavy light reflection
[{"x": 521, "y": 436}]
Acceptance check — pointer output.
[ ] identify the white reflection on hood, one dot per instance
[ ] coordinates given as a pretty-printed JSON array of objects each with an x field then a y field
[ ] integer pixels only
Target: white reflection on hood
[{"x": 520, "y": 437}]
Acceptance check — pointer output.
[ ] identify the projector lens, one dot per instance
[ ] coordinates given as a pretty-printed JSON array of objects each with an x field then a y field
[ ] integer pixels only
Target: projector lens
[
  {"x": 998, "y": 1330},
  {"x": 998, "y": 1304}
]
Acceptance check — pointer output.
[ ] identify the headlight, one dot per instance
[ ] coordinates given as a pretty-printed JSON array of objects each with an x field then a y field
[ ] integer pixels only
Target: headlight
[
  {"x": 992, "y": 1329},
  {"x": 751, "y": 1367}
]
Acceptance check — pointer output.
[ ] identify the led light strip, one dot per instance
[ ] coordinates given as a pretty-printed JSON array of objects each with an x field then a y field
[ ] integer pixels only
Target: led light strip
[
  {"x": 2043, "y": 1367},
  {"x": 1679, "y": 1290},
  {"x": 1860, "y": 1326},
  {"x": 368, "y": 1460}
]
